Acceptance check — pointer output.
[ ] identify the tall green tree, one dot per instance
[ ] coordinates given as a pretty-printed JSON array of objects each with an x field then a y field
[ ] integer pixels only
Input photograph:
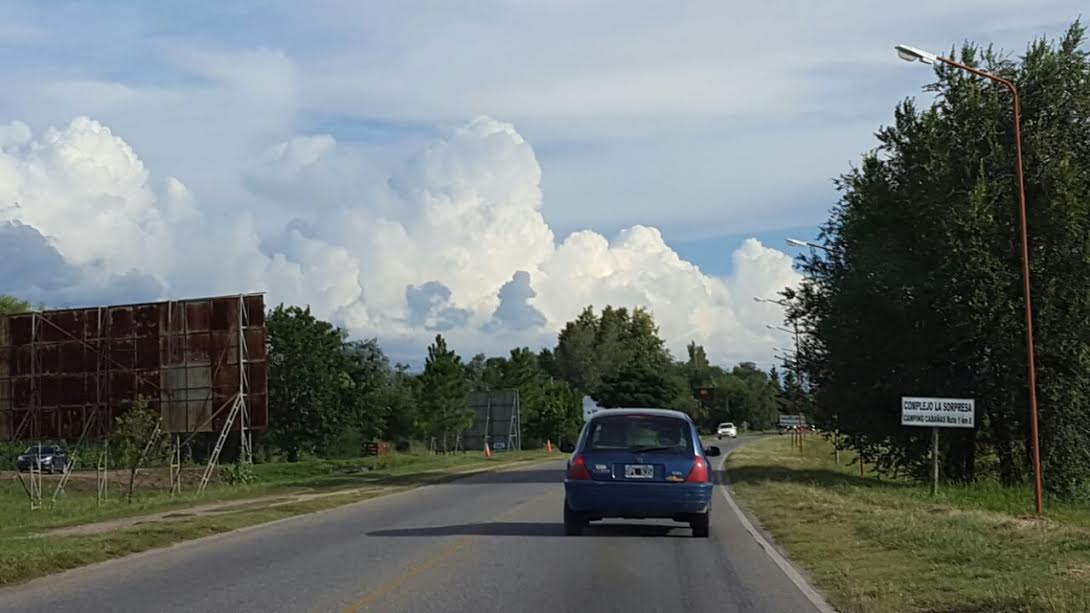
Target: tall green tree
[
  {"x": 638, "y": 385},
  {"x": 308, "y": 380},
  {"x": 921, "y": 292},
  {"x": 593, "y": 347},
  {"x": 444, "y": 394},
  {"x": 369, "y": 374}
]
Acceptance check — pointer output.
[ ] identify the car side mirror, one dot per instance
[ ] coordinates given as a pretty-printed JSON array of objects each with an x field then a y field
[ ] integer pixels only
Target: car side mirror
[
  {"x": 566, "y": 447},
  {"x": 711, "y": 451}
]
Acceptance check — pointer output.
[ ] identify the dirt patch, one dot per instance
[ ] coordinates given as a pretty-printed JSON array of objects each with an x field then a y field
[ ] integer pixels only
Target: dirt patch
[
  {"x": 248, "y": 505},
  {"x": 1023, "y": 522},
  {"x": 1081, "y": 572}
]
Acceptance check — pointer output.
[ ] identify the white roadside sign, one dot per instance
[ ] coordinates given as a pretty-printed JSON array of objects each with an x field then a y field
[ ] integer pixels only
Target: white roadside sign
[
  {"x": 792, "y": 420},
  {"x": 938, "y": 412}
]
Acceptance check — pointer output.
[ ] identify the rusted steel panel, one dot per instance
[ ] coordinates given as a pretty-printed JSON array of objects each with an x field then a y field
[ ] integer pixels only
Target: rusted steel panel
[
  {"x": 121, "y": 322},
  {"x": 147, "y": 352},
  {"x": 197, "y": 316},
  {"x": 71, "y": 358},
  {"x": 49, "y": 358},
  {"x": 59, "y": 368},
  {"x": 198, "y": 349},
  {"x": 122, "y": 354},
  {"x": 20, "y": 327}
]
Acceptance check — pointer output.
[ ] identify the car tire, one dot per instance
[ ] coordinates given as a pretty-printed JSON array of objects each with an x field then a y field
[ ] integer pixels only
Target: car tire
[
  {"x": 574, "y": 522},
  {"x": 700, "y": 525}
]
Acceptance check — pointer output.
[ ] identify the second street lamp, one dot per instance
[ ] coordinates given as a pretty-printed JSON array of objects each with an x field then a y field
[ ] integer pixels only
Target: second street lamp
[{"x": 912, "y": 54}]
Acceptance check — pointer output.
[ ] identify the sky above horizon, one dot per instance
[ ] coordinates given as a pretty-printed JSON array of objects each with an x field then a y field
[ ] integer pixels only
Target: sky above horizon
[{"x": 482, "y": 170}]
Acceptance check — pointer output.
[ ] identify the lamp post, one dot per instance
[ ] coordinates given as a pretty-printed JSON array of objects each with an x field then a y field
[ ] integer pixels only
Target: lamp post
[{"x": 912, "y": 54}]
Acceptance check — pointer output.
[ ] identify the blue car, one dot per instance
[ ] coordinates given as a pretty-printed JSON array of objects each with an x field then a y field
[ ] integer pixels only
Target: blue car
[{"x": 637, "y": 464}]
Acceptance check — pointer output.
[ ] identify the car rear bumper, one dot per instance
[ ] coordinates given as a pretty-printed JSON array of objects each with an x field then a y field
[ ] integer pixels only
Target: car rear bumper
[{"x": 638, "y": 500}]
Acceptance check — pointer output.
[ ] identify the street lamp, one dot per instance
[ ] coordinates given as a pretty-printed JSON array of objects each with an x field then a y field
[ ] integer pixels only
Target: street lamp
[{"x": 912, "y": 54}]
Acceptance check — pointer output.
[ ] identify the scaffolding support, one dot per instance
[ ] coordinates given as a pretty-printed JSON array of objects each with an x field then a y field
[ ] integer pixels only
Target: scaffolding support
[
  {"x": 214, "y": 458},
  {"x": 244, "y": 434},
  {"x": 73, "y": 457},
  {"x": 36, "y": 480},
  {"x": 102, "y": 474},
  {"x": 144, "y": 454},
  {"x": 176, "y": 467}
]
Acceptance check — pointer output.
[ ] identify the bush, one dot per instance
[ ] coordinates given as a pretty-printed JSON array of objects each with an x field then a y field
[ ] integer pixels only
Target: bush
[{"x": 238, "y": 474}]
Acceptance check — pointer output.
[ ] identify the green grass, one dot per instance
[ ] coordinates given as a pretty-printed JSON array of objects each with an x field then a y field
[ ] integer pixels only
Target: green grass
[
  {"x": 27, "y": 550},
  {"x": 880, "y": 545}
]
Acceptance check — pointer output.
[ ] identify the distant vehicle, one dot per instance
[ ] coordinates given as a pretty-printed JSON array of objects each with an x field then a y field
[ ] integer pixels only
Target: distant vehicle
[
  {"x": 638, "y": 464},
  {"x": 726, "y": 429},
  {"x": 48, "y": 458}
]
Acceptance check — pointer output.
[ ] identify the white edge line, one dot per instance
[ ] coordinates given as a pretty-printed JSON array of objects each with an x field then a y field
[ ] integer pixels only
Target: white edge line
[{"x": 793, "y": 574}]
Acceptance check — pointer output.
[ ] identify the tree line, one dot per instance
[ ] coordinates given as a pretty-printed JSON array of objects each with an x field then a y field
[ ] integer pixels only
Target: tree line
[
  {"x": 920, "y": 289},
  {"x": 327, "y": 392}
]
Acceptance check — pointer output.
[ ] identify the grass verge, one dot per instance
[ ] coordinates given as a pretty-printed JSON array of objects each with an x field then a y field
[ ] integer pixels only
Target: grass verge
[
  {"x": 877, "y": 545},
  {"x": 27, "y": 550}
]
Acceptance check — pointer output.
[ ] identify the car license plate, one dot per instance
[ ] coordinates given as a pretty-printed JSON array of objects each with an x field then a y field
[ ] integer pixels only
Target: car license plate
[{"x": 639, "y": 471}]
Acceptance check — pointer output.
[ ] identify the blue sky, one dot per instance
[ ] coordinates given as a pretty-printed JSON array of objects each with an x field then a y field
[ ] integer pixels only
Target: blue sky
[{"x": 275, "y": 126}]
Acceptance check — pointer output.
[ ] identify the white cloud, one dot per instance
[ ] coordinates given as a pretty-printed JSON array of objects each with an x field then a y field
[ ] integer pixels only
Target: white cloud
[{"x": 455, "y": 242}]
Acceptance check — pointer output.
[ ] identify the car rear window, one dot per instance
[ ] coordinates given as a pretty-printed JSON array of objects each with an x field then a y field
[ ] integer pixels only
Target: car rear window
[{"x": 640, "y": 433}]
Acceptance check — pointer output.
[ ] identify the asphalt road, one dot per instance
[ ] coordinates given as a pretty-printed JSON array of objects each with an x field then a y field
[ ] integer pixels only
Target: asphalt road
[{"x": 493, "y": 542}]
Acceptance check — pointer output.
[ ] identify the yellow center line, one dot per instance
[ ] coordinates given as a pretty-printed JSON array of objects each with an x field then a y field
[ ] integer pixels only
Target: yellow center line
[
  {"x": 411, "y": 572},
  {"x": 425, "y": 565}
]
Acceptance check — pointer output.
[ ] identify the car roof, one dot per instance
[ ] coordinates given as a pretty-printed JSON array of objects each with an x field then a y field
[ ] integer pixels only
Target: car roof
[{"x": 639, "y": 411}]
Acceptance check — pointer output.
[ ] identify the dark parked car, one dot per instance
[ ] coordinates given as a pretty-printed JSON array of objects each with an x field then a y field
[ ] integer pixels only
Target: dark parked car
[
  {"x": 49, "y": 458},
  {"x": 637, "y": 464}
]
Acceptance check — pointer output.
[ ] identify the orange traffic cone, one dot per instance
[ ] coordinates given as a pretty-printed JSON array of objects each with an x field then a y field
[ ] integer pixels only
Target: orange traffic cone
[
  {"x": 548, "y": 446},
  {"x": 487, "y": 451}
]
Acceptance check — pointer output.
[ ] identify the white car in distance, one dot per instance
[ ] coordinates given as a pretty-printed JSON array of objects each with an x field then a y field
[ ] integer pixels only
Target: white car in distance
[{"x": 726, "y": 429}]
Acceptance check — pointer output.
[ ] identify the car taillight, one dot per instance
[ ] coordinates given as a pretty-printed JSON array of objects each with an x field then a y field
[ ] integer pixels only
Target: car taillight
[
  {"x": 577, "y": 470},
  {"x": 699, "y": 472}
]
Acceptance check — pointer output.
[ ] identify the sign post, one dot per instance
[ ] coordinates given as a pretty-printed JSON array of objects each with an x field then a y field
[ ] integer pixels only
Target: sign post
[
  {"x": 934, "y": 461},
  {"x": 937, "y": 413}
]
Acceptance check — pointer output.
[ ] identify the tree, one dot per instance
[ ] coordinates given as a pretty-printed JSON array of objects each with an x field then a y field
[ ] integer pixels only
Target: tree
[
  {"x": 10, "y": 305},
  {"x": 921, "y": 293},
  {"x": 399, "y": 401},
  {"x": 309, "y": 380},
  {"x": 637, "y": 385},
  {"x": 444, "y": 393},
  {"x": 369, "y": 374},
  {"x": 577, "y": 356},
  {"x": 591, "y": 347},
  {"x": 134, "y": 439},
  {"x": 475, "y": 373}
]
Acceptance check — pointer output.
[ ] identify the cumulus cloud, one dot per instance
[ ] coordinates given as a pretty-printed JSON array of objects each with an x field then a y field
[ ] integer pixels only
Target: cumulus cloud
[
  {"x": 515, "y": 311},
  {"x": 453, "y": 242}
]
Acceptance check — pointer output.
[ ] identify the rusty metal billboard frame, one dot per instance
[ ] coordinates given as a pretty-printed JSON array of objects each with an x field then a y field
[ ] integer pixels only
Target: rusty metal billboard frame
[{"x": 68, "y": 373}]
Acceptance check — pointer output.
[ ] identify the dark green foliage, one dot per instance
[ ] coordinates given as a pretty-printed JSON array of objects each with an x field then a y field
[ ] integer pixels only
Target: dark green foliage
[
  {"x": 638, "y": 385},
  {"x": 134, "y": 440},
  {"x": 10, "y": 305},
  {"x": 311, "y": 388},
  {"x": 444, "y": 394},
  {"x": 922, "y": 293}
]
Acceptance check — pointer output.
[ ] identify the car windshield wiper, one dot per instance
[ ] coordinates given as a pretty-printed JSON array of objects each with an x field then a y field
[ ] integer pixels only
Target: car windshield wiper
[{"x": 652, "y": 449}]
